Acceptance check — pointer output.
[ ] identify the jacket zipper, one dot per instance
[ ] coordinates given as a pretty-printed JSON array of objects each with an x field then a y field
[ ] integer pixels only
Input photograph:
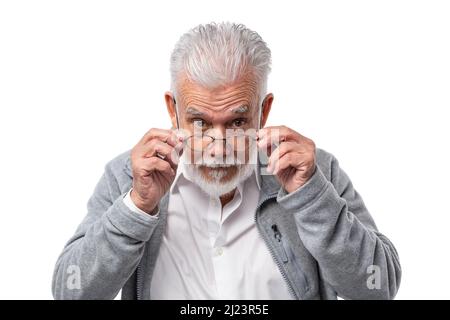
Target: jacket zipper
[
  {"x": 138, "y": 282},
  {"x": 277, "y": 235}
]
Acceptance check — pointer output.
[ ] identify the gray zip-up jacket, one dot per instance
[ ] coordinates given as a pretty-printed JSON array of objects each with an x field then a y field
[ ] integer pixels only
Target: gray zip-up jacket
[{"x": 321, "y": 236}]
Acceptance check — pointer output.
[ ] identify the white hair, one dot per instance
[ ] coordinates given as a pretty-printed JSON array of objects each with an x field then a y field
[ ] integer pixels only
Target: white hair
[{"x": 214, "y": 54}]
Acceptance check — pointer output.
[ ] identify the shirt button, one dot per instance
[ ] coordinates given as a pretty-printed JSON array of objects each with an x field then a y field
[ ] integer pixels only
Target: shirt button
[{"x": 219, "y": 251}]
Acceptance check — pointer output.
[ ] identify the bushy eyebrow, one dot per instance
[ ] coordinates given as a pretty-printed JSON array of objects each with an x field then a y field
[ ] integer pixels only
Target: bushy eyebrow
[
  {"x": 195, "y": 112},
  {"x": 240, "y": 110}
]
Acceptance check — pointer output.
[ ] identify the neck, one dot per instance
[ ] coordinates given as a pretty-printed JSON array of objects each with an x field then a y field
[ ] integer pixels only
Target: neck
[{"x": 227, "y": 197}]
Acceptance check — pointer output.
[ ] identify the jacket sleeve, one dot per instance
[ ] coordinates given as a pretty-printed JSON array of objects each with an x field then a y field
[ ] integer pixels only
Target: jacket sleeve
[
  {"x": 335, "y": 226},
  {"x": 106, "y": 248}
]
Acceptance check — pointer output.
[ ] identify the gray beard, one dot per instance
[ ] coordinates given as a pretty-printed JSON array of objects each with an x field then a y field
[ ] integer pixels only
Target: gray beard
[{"x": 212, "y": 185}]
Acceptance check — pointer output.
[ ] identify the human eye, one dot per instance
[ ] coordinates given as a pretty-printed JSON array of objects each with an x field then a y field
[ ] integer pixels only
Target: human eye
[
  {"x": 238, "y": 123},
  {"x": 199, "y": 123}
]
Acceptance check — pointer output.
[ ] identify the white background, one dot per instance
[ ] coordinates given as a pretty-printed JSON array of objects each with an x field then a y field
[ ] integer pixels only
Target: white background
[{"x": 81, "y": 81}]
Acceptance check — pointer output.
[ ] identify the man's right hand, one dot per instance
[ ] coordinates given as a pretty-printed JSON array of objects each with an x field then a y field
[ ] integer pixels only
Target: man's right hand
[{"x": 152, "y": 175}]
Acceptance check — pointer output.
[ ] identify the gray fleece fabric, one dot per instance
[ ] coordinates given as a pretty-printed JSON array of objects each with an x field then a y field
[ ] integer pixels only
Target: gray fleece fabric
[{"x": 328, "y": 244}]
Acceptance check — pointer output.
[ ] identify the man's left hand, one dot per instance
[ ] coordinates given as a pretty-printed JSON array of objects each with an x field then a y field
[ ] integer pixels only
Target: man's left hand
[{"x": 293, "y": 161}]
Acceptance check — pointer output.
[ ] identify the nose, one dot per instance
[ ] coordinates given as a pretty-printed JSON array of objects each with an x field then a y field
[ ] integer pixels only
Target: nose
[{"x": 219, "y": 149}]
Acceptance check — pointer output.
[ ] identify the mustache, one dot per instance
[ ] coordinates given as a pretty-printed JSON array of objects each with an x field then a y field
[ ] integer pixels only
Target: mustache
[
  {"x": 221, "y": 161},
  {"x": 218, "y": 163}
]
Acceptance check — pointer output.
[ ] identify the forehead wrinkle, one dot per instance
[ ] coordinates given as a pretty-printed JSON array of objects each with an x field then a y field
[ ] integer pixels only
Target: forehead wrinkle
[
  {"x": 199, "y": 98},
  {"x": 199, "y": 108},
  {"x": 244, "y": 89}
]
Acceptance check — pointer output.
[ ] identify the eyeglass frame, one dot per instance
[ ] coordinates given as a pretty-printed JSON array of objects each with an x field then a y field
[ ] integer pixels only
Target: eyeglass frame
[{"x": 214, "y": 138}]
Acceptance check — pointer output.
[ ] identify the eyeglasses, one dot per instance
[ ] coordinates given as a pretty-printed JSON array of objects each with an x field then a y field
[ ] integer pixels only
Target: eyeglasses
[{"x": 238, "y": 141}]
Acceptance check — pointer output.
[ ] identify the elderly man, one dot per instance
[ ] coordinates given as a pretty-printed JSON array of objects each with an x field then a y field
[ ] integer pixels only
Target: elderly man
[{"x": 197, "y": 212}]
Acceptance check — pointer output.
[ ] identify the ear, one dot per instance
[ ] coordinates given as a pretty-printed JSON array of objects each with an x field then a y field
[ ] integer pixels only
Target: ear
[
  {"x": 171, "y": 108},
  {"x": 266, "y": 106}
]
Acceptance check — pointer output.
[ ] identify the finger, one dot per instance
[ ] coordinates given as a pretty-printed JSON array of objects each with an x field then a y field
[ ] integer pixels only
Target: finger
[
  {"x": 277, "y": 134},
  {"x": 269, "y": 139},
  {"x": 162, "y": 150},
  {"x": 167, "y": 136},
  {"x": 283, "y": 148},
  {"x": 286, "y": 161},
  {"x": 156, "y": 164}
]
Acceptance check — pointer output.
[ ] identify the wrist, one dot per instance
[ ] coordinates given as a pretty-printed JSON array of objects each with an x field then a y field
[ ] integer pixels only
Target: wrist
[{"x": 143, "y": 205}]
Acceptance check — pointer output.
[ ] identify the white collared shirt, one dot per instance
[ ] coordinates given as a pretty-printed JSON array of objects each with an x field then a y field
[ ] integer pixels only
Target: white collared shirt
[{"x": 210, "y": 253}]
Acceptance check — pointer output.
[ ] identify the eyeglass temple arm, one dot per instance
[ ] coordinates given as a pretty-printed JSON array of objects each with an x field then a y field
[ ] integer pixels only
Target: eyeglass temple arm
[{"x": 176, "y": 112}]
